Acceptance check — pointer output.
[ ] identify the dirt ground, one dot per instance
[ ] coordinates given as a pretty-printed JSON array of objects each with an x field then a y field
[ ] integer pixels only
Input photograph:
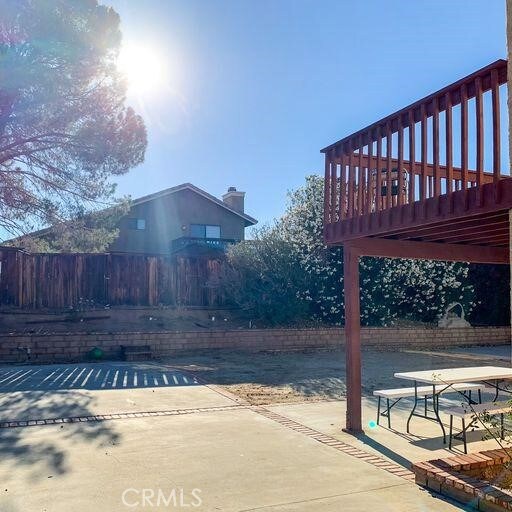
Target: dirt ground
[
  {"x": 96, "y": 319},
  {"x": 123, "y": 319},
  {"x": 284, "y": 377}
]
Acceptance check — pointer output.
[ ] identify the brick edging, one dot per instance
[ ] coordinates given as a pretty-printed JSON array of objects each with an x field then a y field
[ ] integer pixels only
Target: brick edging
[
  {"x": 445, "y": 477},
  {"x": 374, "y": 460},
  {"x": 117, "y": 416}
]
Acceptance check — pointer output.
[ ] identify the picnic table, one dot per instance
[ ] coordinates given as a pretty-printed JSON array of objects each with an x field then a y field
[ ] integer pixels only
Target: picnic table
[{"x": 442, "y": 379}]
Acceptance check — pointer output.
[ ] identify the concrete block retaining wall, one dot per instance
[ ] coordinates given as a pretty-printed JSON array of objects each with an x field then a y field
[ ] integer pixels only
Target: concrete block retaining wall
[{"x": 75, "y": 346}]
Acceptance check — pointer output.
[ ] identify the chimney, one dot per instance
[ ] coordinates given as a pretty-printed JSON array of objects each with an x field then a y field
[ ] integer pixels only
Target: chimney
[{"x": 234, "y": 199}]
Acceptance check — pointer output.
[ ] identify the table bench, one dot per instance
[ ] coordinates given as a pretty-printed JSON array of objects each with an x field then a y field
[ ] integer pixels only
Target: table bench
[
  {"x": 474, "y": 413},
  {"x": 423, "y": 391},
  {"x": 492, "y": 376}
]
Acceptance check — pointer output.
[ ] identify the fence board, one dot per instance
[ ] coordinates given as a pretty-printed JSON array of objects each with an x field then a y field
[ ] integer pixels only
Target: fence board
[{"x": 60, "y": 281}]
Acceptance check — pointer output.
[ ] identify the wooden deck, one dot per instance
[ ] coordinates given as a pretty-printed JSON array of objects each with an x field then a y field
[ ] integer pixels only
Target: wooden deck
[
  {"x": 476, "y": 216},
  {"x": 430, "y": 199},
  {"x": 415, "y": 185}
]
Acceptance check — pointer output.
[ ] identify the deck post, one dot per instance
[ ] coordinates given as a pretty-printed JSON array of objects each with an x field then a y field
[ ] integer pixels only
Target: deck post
[{"x": 353, "y": 423}]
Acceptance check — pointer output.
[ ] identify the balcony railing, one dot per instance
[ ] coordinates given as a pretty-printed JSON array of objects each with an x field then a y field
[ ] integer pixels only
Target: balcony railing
[
  {"x": 438, "y": 145},
  {"x": 215, "y": 243}
]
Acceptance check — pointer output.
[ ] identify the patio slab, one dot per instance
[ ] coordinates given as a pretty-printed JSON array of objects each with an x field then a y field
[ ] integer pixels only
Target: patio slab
[
  {"x": 423, "y": 443},
  {"x": 238, "y": 459}
]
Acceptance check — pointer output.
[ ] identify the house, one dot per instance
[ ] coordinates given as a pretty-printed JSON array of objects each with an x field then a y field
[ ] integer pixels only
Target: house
[{"x": 180, "y": 217}]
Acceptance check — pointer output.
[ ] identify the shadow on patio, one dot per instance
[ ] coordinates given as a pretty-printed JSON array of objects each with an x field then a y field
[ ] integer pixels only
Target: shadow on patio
[
  {"x": 93, "y": 376},
  {"x": 71, "y": 391},
  {"x": 44, "y": 448}
]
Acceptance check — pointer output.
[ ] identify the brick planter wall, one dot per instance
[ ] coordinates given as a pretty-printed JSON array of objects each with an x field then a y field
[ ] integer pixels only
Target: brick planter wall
[
  {"x": 448, "y": 476},
  {"x": 74, "y": 346}
]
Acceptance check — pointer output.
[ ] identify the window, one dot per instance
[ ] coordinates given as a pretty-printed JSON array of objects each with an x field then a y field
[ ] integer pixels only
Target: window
[
  {"x": 204, "y": 231},
  {"x": 138, "y": 224},
  {"x": 212, "y": 231},
  {"x": 198, "y": 230}
]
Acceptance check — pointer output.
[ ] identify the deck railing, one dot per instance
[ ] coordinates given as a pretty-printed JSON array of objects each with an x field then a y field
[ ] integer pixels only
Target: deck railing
[
  {"x": 215, "y": 243},
  {"x": 438, "y": 145}
]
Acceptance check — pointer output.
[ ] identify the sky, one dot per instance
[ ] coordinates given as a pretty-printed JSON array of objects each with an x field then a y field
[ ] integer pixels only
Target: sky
[{"x": 253, "y": 89}]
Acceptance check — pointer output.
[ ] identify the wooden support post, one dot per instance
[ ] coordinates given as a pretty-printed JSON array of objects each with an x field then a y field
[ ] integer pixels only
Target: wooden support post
[{"x": 352, "y": 339}]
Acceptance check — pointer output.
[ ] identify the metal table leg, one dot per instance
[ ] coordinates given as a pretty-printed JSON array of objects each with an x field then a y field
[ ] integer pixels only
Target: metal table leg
[
  {"x": 435, "y": 406},
  {"x": 414, "y": 408},
  {"x": 435, "y": 400}
]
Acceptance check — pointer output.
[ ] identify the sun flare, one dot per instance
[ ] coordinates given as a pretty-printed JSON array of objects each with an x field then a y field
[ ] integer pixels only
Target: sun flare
[{"x": 144, "y": 67}]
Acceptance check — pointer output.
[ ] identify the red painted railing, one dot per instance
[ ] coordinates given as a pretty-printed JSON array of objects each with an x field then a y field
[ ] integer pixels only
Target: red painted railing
[{"x": 433, "y": 147}]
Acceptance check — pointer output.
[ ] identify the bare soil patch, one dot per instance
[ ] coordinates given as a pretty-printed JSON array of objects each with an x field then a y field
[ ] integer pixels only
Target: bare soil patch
[
  {"x": 265, "y": 378},
  {"x": 122, "y": 319}
]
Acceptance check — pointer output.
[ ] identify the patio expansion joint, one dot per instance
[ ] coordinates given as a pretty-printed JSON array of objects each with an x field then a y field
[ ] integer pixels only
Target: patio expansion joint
[{"x": 327, "y": 440}]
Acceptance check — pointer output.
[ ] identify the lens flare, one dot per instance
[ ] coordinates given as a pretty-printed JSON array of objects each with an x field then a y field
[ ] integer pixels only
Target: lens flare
[{"x": 144, "y": 67}]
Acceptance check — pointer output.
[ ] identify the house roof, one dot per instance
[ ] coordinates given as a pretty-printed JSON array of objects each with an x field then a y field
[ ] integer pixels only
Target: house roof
[{"x": 249, "y": 221}]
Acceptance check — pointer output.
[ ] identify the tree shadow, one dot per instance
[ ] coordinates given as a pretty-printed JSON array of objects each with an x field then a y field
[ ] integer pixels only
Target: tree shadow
[
  {"x": 44, "y": 448},
  {"x": 67, "y": 393}
]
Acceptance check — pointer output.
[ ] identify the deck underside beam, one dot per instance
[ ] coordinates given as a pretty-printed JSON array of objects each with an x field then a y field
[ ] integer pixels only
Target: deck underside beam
[{"x": 385, "y": 248}]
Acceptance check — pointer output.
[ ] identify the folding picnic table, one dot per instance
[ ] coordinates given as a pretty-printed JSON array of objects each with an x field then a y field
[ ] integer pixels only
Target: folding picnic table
[{"x": 444, "y": 378}]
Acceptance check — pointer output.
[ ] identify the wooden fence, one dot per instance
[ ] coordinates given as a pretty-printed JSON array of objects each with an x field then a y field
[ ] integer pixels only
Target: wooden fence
[{"x": 35, "y": 281}]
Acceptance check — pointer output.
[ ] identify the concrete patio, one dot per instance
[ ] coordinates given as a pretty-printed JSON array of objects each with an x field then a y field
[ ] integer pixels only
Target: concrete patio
[{"x": 93, "y": 443}]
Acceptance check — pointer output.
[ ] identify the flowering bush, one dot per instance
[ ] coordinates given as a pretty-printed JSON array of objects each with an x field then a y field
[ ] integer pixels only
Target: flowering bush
[{"x": 287, "y": 274}]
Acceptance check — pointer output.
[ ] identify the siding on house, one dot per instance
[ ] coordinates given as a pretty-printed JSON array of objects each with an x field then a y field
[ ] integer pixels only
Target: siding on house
[{"x": 169, "y": 217}]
